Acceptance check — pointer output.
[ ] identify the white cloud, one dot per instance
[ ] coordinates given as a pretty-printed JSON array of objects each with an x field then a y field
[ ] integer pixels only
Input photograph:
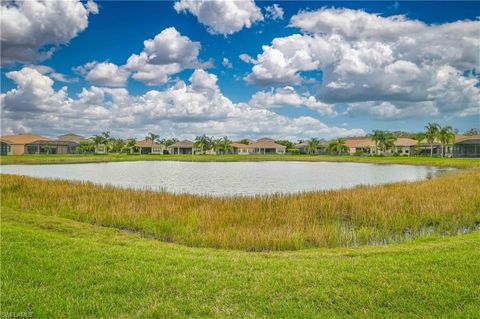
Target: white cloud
[
  {"x": 30, "y": 28},
  {"x": 222, "y": 17},
  {"x": 281, "y": 62},
  {"x": 226, "y": 63},
  {"x": 104, "y": 74},
  {"x": 392, "y": 66},
  {"x": 246, "y": 58},
  {"x": 274, "y": 12},
  {"x": 168, "y": 53},
  {"x": 44, "y": 69},
  {"x": 183, "y": 110},
  {"x": 287, "y": 96}
]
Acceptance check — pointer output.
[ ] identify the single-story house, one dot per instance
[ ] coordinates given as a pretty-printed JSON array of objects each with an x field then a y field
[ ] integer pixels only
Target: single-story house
[
  {"x": 149, "y": 147},
  {"x": 360, "y": 145},
  {"x": 75, "y": 140},
  {"x": 266, "y": 146},
  {"x": 405, "y": 146},
  {"x": 240, "y": 148},
  {"x": 71, "y": 137},
  {"x": 27, "y": 143},
  {"x": 303, "y": 148},
  {"x": 466, "y": 146},
  {"x": 182, "y": 147}
]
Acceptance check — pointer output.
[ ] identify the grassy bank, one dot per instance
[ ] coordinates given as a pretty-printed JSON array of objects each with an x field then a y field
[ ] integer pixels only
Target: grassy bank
[
  {"x": 89, "y": 158},
  {"x": 58, "y": 268},
  {"x": 364, "y": 215}
]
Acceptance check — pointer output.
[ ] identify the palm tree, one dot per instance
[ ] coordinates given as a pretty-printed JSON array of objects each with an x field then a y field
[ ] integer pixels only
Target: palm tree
[
  {"x": 388, "y": 141},
  {"x": 152, "y": 137},
  {"x": 312, "y": 145},
  {"x": 99, "y": 140},
  {"x": 223, "y": 144},
  {"x": 204, "y": 143},
  {"x": 168, "y": 141},
  {"x": 338, "y": 146},
  {"x": 130, "y": 146},
  {"x": 377, "y": 137},
  {"x": 431, "y": 132},
  {"x": 446, "y": 136},
  {"x": 117, "y": 145},
  {"x": 85, "y": 146},
  {"x": 419, "y": 137}
]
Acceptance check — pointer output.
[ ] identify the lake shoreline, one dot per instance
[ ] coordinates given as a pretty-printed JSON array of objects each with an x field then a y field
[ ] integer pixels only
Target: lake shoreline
[
  {"x": 91, "y": 158},
  {"x": 231, "y": 179}
]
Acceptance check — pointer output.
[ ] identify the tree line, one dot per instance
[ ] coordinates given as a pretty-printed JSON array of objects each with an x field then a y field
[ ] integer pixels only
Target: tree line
[{"x": 383, "y": 141}]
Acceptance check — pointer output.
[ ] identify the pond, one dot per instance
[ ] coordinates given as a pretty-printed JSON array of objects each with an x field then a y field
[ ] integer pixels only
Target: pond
[{"x": 229, "y": 178}]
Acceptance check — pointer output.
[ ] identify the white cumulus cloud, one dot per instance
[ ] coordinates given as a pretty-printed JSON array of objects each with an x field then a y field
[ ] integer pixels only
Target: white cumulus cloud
[
  {"x": 388, "y": 67},
  {"x": 221, "y": 16},
  {"x": 183, "y": 110},
  {"x": 32, "y": 30}
]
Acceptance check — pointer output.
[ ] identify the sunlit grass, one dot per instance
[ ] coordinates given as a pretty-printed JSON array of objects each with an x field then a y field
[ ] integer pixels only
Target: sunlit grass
[
  {"x": 364, "y": 215},
  {"x": 58, "y": 268},
  {"x": 90, "y": 158}
]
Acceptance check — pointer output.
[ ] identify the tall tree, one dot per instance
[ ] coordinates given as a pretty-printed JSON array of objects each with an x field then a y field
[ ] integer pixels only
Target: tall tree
[
  {"x": 338, "y": 146},
  {"x": 312, "y": 145},
  {"x": 388, "y": 141},
  {"x": 117, "y": 145},
  {"x": 446, "y": 136},
  {"x": 223, "y": 144},
  {"x": 377, "y": 137},
  {"x": 168, "y": 141},
  {"x": 431, "y": 132},
  {"x": 131, "y": 145},
  {"x": 204, "y": 143},
  {"x": 152, "y": 137},
  {"x": 418, "y": 137}
]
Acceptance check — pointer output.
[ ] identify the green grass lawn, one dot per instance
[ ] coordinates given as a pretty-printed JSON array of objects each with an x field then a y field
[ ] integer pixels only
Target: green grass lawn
[
  {"x": 91, "y": 158},
  {"x": 58, "y": 268},
  {"x": 53, "y": 265}
]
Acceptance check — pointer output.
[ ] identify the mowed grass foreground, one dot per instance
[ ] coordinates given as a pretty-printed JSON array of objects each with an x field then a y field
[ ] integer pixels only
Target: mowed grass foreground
[
  {"x": 59, "y": 268},
  {"x": 394, "y": 213}
]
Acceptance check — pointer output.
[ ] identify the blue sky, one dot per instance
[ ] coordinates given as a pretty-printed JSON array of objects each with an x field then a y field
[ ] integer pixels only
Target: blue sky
[{"x": 307, "y": 101}]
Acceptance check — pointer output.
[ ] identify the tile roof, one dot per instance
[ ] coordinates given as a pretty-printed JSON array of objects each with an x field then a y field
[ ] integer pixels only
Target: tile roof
[{"x": 23, "y": 138}]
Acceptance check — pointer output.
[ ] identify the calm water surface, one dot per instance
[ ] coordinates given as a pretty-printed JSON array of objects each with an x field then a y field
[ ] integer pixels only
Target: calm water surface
[{"x": 230, "y": 178}]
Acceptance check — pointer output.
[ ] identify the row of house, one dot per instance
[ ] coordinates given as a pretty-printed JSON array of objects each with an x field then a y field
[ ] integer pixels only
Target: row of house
[
  {"x": 464, "y": 146},
  {"x": 262, "y": 146},
  {"x": 27, "y": 143}
]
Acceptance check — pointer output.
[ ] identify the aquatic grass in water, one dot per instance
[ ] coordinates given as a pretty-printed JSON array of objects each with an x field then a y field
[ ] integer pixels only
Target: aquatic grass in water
[{"x": 364, "y": 215}]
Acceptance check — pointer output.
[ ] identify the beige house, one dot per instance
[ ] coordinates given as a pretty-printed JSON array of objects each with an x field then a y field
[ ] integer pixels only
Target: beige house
[
  {"x": 405, "y": 146},
  {"x": 240, "y": 149},
  {"x": 182, "y": 147},
  {"x": 71, "y": 137},
  {"x": 266, "y": 146},
  {"x": 364, "y": 145},
  {"x": 304, "y": 149},
  {"x": 149, "y": 147},
  {"x": 27, "y": 143},
  {"x": 360, "y": 145}
]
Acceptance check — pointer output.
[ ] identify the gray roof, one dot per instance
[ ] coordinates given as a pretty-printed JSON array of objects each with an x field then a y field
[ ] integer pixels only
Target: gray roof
[{"x": 183, "y": 144}]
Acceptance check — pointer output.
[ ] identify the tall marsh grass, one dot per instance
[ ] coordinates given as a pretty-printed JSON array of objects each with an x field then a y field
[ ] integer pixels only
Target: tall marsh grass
[{"x": 364, "y": 215}]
